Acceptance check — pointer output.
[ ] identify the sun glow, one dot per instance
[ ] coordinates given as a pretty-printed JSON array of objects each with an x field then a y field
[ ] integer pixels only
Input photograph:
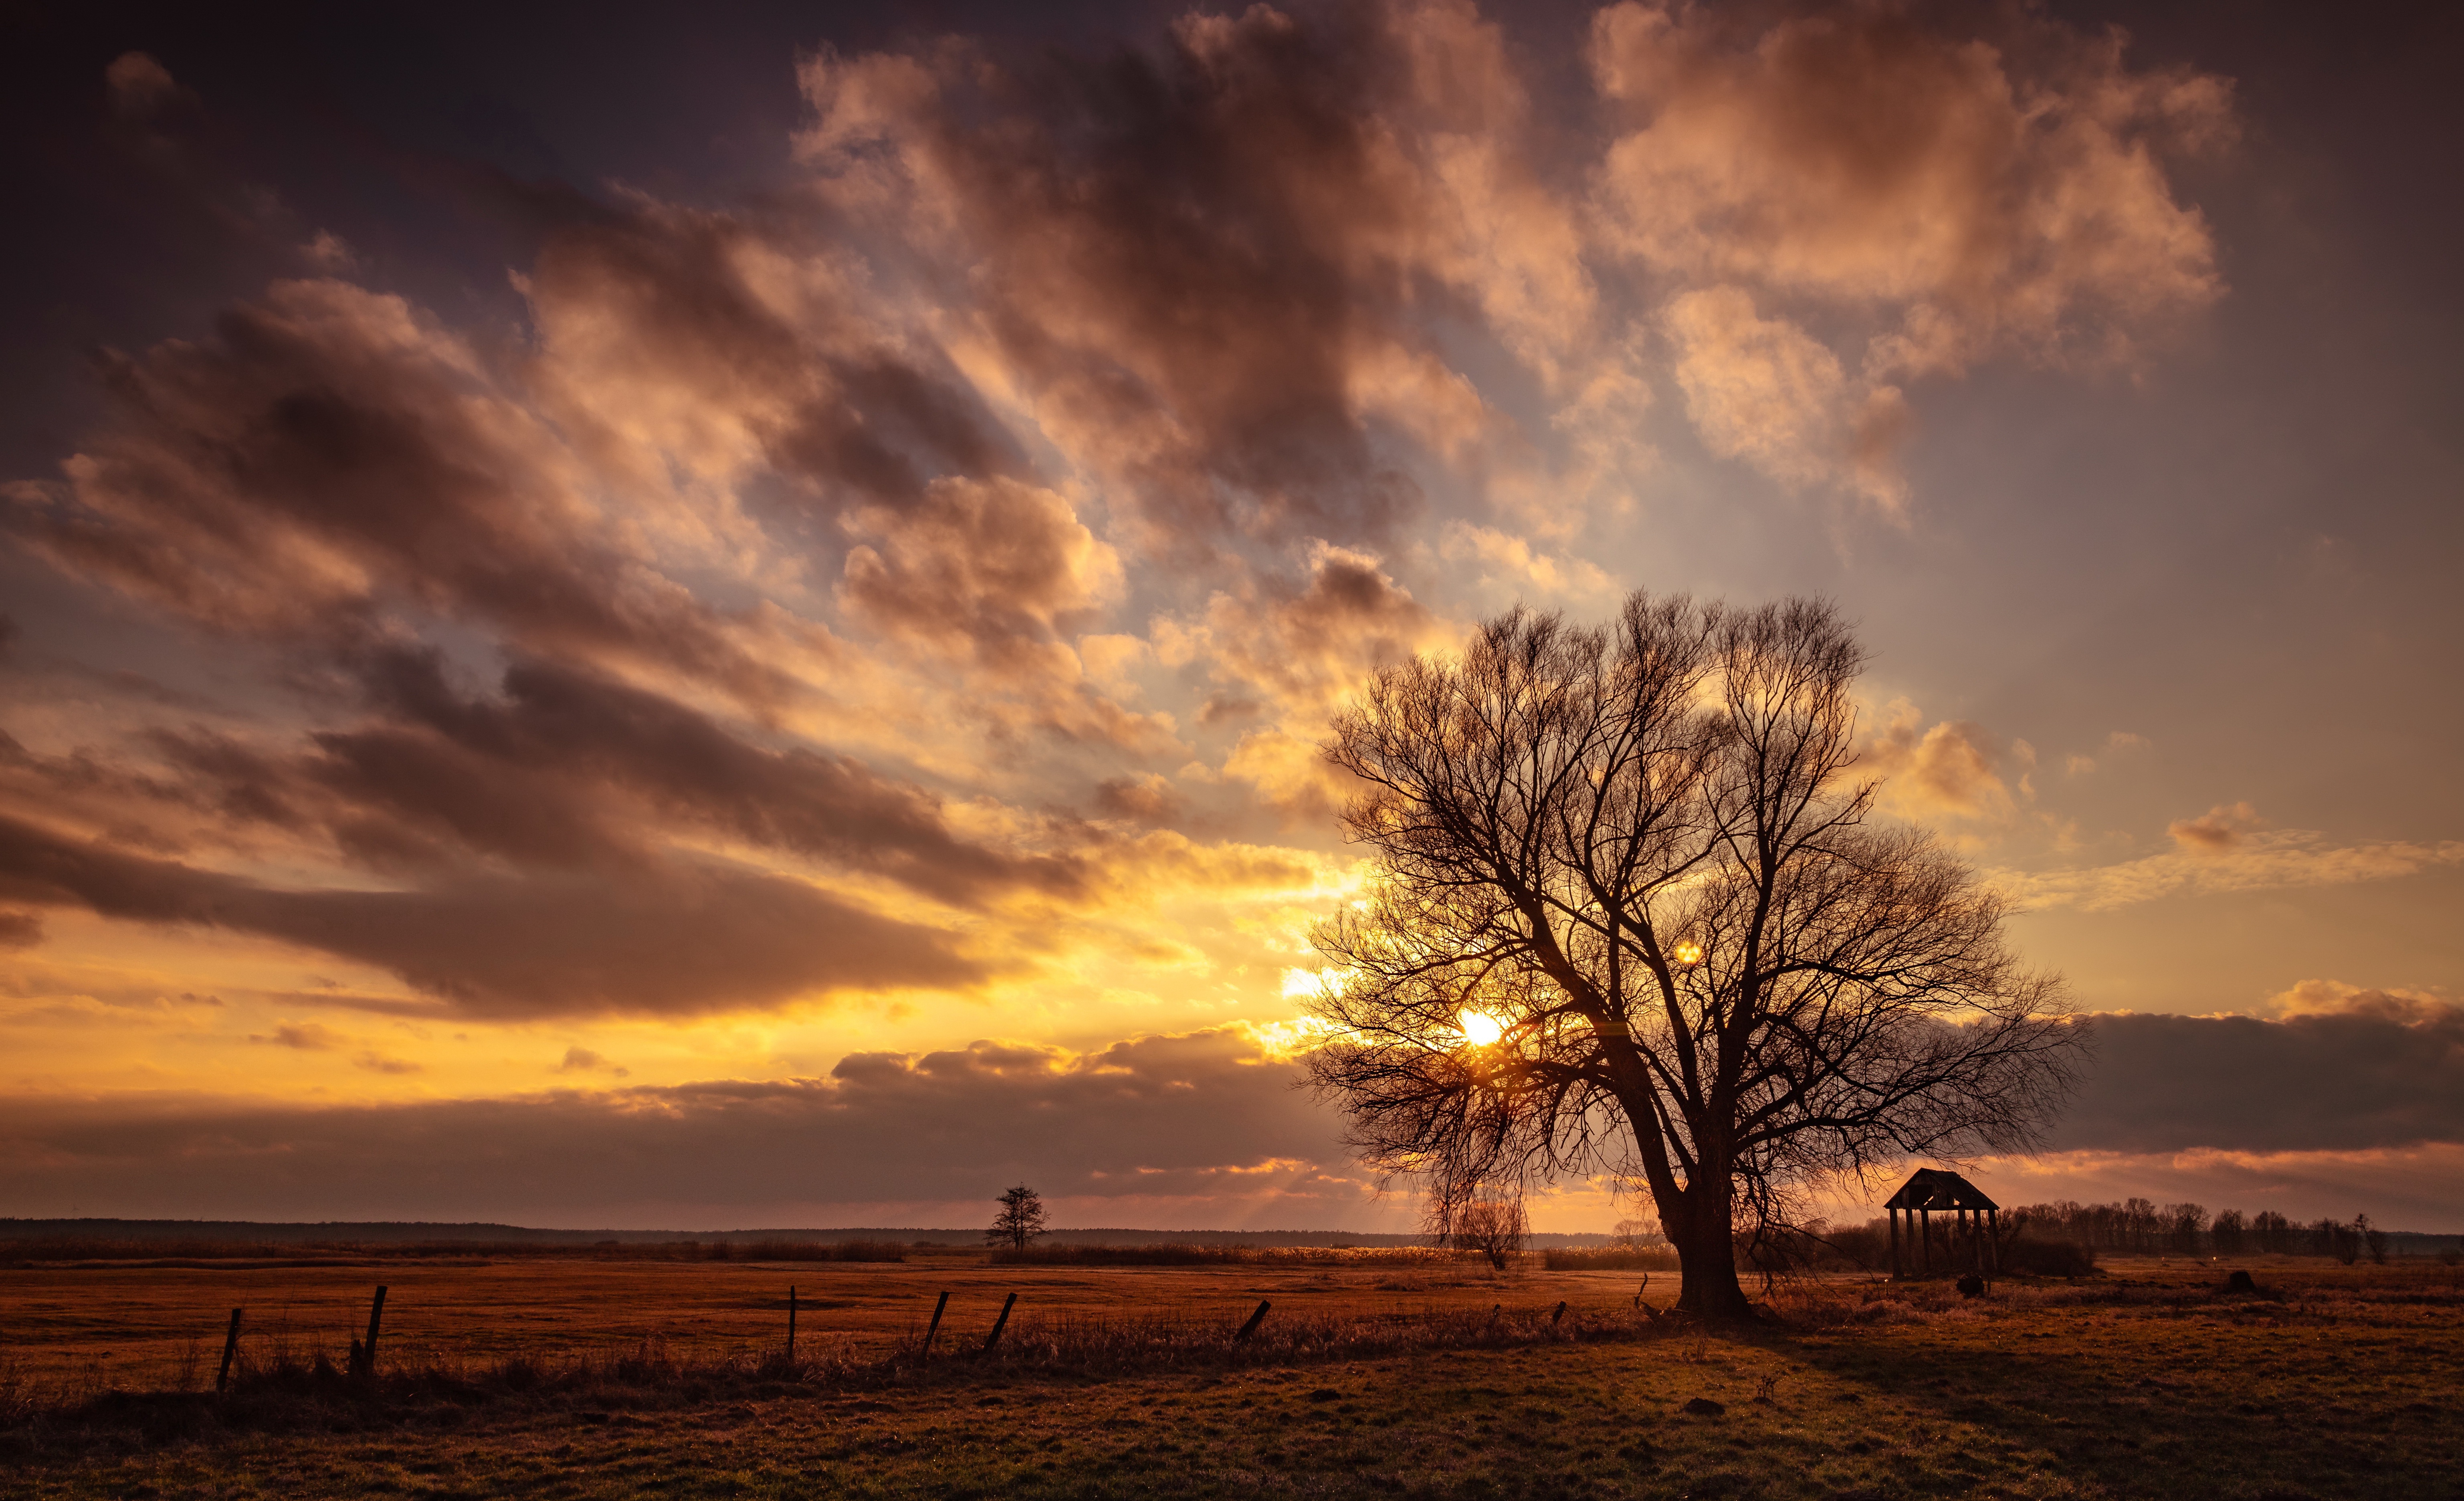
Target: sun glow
[
  {"x": 1481, "y": 1029},
  {"x": 1686, "y": 953}
]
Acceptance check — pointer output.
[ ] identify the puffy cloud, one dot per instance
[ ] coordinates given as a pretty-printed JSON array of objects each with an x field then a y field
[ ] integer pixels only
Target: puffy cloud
[
  {"x": 2220, "y": 829},
  {"x": 141, "y": 87},
  {"x": 1940, "y": 195},
  {"x": 1205, "y": 1116},
  {"x": 997, "y": 568},
  {"x": 1765, "y": 391},
  {"x": 727, "y": 345},
  {"x": 1295, "y": 648},
  {"x": 1207, "y": 269},
  {"x": 1953, "y": 769}
]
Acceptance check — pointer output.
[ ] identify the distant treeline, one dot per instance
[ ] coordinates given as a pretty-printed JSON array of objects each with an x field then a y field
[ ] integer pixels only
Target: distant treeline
[
  {"x": 390, "y": 1232},
  {"x": 2139, "y": 1227}
]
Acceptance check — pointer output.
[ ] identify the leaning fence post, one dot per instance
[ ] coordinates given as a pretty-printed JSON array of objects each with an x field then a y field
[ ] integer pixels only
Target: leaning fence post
[
  {"x": 1557, "y": 1317},
  {"x": 935, "y": 1327},
  {"x": 791, "y": 1325},
  {"x": 368, "y": 1351},
  {"x": 1001, "y": 1324},
  {"x": 231, "y": 1347},
  {"x": 1255, "y": 1320}
]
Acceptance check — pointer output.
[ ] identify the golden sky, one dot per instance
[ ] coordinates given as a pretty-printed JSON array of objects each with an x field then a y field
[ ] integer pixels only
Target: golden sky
[{"x": 776, "y": 683}]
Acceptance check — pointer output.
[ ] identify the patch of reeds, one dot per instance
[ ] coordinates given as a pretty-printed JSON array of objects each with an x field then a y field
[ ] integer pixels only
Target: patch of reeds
[
  {"x": 77, "y": 1250},
  {"x": 1057, "y": 1255},
  {"x": 1611, "y": 1258}
]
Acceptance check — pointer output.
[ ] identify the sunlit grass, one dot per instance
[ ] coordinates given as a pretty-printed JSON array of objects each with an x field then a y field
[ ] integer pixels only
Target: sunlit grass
[{"x": 2148, "y": 1384}]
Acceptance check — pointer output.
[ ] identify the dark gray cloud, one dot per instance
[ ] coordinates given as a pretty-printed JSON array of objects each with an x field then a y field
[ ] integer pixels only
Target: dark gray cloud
[
  {"x": 1204, "y": 1114},
  {"x": 2381, "y": 1071},
  {"x": 669, "y": 938}
]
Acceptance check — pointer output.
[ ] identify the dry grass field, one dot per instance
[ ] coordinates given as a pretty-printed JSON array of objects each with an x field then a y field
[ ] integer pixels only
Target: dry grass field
[{"x": 547, "y": 1376}]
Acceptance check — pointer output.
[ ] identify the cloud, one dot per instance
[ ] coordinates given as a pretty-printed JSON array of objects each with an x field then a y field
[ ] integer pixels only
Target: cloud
[
  {"x": 306, "y": 1036},
  {"x": 564, "y": 770},
  {"x": 995, "y": 569},
  {"x": 1205, "y": 265},
  {"x": 1938, "y": 196},
  {"x": 2224, "y": 851},
  {"x": 141, "y": 87},
  {"x": 333, "y": 455},
  {"x": 2366, "y": 1071},
  {"x": 1208, "y": 1114},
  {"x": 1952, "y": 769},
  {"x": 582, "y": 1061},
  {"x": 1765, "y": 391},
  {"x": 672, "y": 938},
  {"x": 2221, "y": 830}
]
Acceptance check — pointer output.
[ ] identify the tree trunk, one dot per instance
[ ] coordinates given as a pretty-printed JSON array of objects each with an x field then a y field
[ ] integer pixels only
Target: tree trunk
[{"x": 1707, "y": 1254}]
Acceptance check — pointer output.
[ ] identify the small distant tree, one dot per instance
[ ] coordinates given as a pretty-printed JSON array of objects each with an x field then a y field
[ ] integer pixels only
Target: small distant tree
[
  {"x": 2183, "y": 1225},
  {"x": 2272, "y": 1232},
  {"x": 2227, "y": 1232},
  {"x": 1638, "y": 1231},
  {"x": 1020, "y": 1221},
  {"x": 1493, "y": 1226},
  {"x": 2373, "y": 1237}
]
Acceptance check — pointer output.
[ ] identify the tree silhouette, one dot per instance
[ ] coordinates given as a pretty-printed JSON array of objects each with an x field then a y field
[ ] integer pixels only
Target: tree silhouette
[
  {"x": 1021, "y": 1218},
  {"x": 1495, "y": 1228},
  {"x": 1630, "y": 913}
]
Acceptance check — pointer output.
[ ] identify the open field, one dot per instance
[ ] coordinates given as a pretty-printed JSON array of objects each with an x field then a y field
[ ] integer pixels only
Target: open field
[{"x": 2344, "y": 1382}]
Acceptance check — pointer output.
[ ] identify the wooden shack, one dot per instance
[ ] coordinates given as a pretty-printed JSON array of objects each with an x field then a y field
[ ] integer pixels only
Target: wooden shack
[{"x": 1969, "y": 1228}]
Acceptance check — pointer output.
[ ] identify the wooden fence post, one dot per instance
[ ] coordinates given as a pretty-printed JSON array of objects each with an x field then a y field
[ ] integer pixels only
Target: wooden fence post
[
  {"x": 1255, "y": 1320},
  {"x": 363, "y": 1354},
  {"x": 1001, "y": 1324},
  {"x": 791, "y": 1325},
  {"x": 1557, "y": 1317},
  {"x": 935, "y": 1327},
  {"x": 231, "y": 1348}
]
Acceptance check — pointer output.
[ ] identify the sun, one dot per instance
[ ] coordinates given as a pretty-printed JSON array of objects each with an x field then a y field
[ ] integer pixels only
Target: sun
[{"x": 1481, "y": 1029}]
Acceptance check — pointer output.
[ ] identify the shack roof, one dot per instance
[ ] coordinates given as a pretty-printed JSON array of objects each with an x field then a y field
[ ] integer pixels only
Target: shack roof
[{"x": 1933, "y": 1189}]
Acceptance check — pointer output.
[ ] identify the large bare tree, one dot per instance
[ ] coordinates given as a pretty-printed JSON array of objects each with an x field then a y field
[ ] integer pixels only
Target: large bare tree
[{"x": 1633, "y": 914}]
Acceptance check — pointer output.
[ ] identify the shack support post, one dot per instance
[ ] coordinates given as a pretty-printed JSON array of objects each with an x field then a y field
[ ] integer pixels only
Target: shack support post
[
  {"x": 231, "y": 1348},
  {"x": 1894, "y": 1213}
]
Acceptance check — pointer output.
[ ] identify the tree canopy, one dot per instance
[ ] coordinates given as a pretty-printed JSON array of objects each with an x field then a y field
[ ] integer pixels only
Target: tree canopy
[{"x": 1633, "y": 914}]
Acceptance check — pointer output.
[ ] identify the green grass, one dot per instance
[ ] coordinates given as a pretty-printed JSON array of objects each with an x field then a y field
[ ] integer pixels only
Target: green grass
[{"x": 2145, "y": 1387}]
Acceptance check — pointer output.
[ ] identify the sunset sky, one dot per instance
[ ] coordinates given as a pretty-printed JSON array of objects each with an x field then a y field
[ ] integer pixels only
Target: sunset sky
[{"x": 724, "y": 621}]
